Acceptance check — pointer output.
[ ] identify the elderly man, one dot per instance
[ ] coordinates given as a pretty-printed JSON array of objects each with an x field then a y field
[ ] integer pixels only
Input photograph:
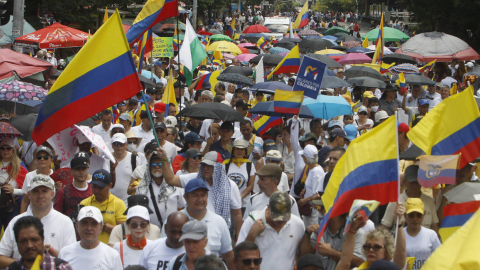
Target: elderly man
[
  {"x": 90, "y": 252},
  {"x": 59, "y": 231},
  {"x": 207, "y": 96},
  {"x": 276, "y": 232},
  {"x": 158, "y": 253}
]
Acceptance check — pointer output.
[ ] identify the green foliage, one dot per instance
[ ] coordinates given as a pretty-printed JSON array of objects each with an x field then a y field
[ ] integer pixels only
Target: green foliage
[
  {"x": 455, "y": 17},
  {"x": 286, "y": 6},
  {"x": 336, "y": 5}
]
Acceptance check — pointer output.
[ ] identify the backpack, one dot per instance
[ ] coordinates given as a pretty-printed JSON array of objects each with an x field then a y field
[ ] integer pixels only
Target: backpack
[
  {"x": 178, "y": 263},
  {"x": 16, "y": 266}
]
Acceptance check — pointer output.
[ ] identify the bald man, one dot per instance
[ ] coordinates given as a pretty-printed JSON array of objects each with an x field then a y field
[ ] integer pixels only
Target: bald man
[{"x": 157, "y": 254}]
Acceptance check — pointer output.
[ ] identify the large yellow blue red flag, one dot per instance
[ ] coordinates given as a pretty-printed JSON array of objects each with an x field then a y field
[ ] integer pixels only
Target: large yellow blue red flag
[
  {"x": 265, "y": 123},
  {"x": 460, "y": 250},
  {"x": 102, "y": 74},
  {"x": 450, "y": 128},
  {"x": 289, "y": 64},
  {"x": 153, "y": 12},
  {"x": 209, "y": 77},
  {"x": 437, "y": 170},
  {"x": 364, "y": 173},
  {"x": 230, "y": 31},
  {"x": 455, "y": 216},
  {"x": 169, "y": 95},
  {"x": 379, "y": 50},
  {"x": 402, "y": 83},
  {"x": 287, "y": 102},
  {"x": 302, "y": 18}
]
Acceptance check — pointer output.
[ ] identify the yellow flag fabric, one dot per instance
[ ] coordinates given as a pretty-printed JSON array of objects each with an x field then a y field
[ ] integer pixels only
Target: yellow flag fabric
[
  {"x": 169, "y": 95},
  {"x": 36, "y": 263},
  {"x": 105, "y": 17},
  {"x": 365, "y": 42},
  {"x": 459, "y": 251},
  {"x": 378, "y": 55},
  {"x": 453, "y": 90}
]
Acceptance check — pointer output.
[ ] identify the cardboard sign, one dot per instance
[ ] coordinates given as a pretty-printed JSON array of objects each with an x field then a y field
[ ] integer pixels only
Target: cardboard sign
[
  {"x": 162, "y": 47},
  {"x": 310, "y": 77}
]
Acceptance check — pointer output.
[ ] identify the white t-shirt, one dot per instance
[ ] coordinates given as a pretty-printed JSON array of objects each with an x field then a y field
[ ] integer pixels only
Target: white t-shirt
[
  {"x": 28, "y": 178},
  {"x": 146, "y": 136},
  {"x": 240, "y": 177},
  {"x": 315, "y": 177},
  {"x": 101, "y": 257},
  {"x": 58, "y": 232},
  {"x": 173, "y": 203},
  {"x": 98, "y": 129},
  {"x": 123, "y": 174},
  {"x": 205, "y": 125},
  {"x": 156, "y": 255},
  {"x": 259, "y": 201},
  {"x": 130, "y": 256},
  {"x": 421, "y": 246},
  {"x": 171, "y": 150},
  {"x": 282, "y": 185}
]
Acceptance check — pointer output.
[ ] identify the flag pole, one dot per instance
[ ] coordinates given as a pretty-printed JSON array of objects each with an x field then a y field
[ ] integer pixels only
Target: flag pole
[
  {"x": 398, "y": 177},
  {"x": 179, "y": 65},
  {"x": 147, "y": 107}
]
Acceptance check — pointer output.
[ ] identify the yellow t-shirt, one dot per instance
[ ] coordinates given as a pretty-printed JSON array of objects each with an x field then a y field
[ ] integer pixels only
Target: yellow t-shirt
[{"x": 112, "y": 212}]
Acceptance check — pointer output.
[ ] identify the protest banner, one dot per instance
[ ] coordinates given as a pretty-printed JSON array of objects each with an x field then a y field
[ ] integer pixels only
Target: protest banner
[
  {"x": 162, "y": 47},
  {"x": 309, "y": 77}
]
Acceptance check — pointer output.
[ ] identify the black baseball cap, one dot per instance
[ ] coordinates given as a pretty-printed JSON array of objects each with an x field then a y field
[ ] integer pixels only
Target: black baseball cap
[
  {"x": 411, "y": 173},
  {"x": 81, "y": 159},
  {"x": 151, "y": 146},
  {"x": 310, "y": 260},
  {"x": 160, "y": 125},
  {"x": 101, "y": 178},
  {"x": 242, "y": 103},
  {"x": 339, "y": 132},
  {"x": 227, "y": 126},
  {"x": 141, "y": 200}
]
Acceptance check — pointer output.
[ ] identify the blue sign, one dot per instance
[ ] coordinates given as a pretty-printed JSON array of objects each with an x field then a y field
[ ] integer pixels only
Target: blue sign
[{"x": 310, "y": 77}]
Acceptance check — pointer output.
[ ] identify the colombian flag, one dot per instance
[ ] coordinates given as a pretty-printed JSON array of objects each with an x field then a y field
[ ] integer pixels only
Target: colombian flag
[
  {"x": 288, "y": 102},
  {"x": 380, "y": 45},
  {"x": 428, "y": 66},
  {"x": 265, "y": 123},
  {"x": 261, "y": 43},
  {"x": 211, "y": 78},
  {"x": 291, "y": 63},
  {"x": 437, "y": 170},
  {"x": 143, "y": 44},
  {"x": 443, "y": 132},
  {"x": 401, "y": 83},
  {"x": 169, "y": 95},
  {"x": 364, "y": 173},
  {"x": 231, "y": 29},
  {"x": 153, "y": 12},
  {"x": 302, "y": 18},
  {"x": 455, "y": 215},
  {"x": 384, "y": 67},
  {"x": 102, "y": 74}
]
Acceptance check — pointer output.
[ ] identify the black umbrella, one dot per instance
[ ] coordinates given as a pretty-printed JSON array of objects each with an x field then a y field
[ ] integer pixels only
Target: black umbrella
[
  {"x": 24, "y": 124},
  {"x": 418, "y": 79},
  {"x": 340, "y": 34},
  {"x": 398, "y": 59},
  {"x": 294, "y": 40},
  {"x": 367, "y": 82},
  {"x": 323, "y": 58},
  {"x": 320, "y": 29},
  {"x": 345, "y": 38},
  {"x": 240, "y": 70},
  {"x": 340, "y": 48},
  {"x": 286, "y": 45},
  {"x": 235, "y": 78},
  {"x": 270, "y": 87},
  {"x": 333, "y": 82},
  {"x": 267, "y": 108},
  {"x": 214, "y": 31},
  {"x": 21, "y": 107},
  {"x": 268, "y": 59},
  {"x": 212, "y": 110},
  {"x": 310, "y": 45},
  {"x": 147, "y": 82},
  {"x": 362, "y": 71}
]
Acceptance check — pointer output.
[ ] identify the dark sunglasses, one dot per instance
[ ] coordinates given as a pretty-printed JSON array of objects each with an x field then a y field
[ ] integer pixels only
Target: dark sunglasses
[
  {"x": 8, "y": 148},
  {"x": 374, "y": 247},
  {"x": 256, "y": 261},
  {"x": 197, "y": 158},
  {"x": 143, "y": 225},
  {"x": 118, "y": 144},
  {"x": 154, "y": 165},
  {"x": 44, "y": 157},
  {"x": 159, "y": 130},
  {"x": 363, "y": 113},
  {"x": 415, "y": 215},
  {"x": 116, "y": 131}
]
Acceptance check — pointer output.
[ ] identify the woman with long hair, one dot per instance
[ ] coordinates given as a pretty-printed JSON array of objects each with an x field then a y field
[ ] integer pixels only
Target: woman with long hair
[
  {"x": 131, "y": 249},
  {"x": 12, "y": 175},
  {"x": 193, "y": 157}
]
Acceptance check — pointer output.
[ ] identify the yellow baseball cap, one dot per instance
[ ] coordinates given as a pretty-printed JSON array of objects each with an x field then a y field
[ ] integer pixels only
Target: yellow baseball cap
[{"x": 414, "y": 205}]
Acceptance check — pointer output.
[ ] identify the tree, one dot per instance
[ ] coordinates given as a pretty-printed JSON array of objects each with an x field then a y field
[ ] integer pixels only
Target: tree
[
  {"x": 286, "y": 6},
  {"x": 335, "y": 5}
]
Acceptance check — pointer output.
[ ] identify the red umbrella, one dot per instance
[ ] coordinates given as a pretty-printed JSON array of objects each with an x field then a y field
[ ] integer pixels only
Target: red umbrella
[
  {"x": 204, "y": 33},
  {"x": 55, "y": 36},
  {"x": 354, "y": 58},
  {"x": 244, "y": 50},
  {"x": 22, "y": 64},
  {"x": 8, "y": 131},
  {"x": 256, "y": 29}
]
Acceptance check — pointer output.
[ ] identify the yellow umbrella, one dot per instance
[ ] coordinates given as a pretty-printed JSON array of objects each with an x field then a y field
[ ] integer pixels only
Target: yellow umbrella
[
  {"x": 329, "y": 52},
  {"x": 224, "y": 46}
]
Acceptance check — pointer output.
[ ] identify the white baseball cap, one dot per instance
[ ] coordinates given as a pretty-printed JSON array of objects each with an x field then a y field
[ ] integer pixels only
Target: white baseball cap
[
  {"x": 119, "y": 137},
  {"x": 90, "y": 212},
  {"x": 170, "y": 121},
  {"x": 274, "y": 155},
  {"x": 309, "y": 151},
  {"x": 362, "y": 109},
  {"x": 42, "y": 180},
  {"x": 138, "y": 211},
  {"x": 469, "y": 65},
  {"x": 380, "y": 115}
]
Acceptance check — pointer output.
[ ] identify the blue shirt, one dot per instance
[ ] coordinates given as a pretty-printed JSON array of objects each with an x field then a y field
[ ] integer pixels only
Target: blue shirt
[{"x": 217, "y": 146}]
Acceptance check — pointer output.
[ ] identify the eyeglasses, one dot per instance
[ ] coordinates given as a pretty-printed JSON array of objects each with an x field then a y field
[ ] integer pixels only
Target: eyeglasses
[
  {"x": 256, "y": 261},
  {"x": 363, "y": 113},
  {"x": 116, "y": 131},
  {"x": 374, "y": 247},
  {"x": 154, "y": 165},
  {"x": 158, "y": 130},
  {"x": 118, "y": 144},
  {"x": 170, "y": 134},
  {"x": 45, "y": 157},
  {"x": 197, "y": 158},
  {"x": 415, "y": 215},
  {"x": 142, "y": 225},
  {"x": 8, "y": 148}
]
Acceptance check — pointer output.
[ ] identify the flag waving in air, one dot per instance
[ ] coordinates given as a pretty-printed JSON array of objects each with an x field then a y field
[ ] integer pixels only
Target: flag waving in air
[
  {"x": 291, "y": 63},
  {"x": 169, "y": 95},
  {"x": 428, "y": 66},
  {"x": 288, "y": 102},
  {"x": 379, "y": 50},
  {"x": 302, "y": 18},
  {"x": 265, "y": 123},
  {"x": 261, "y": 43},
  {"x": 153, "y": 12},
  {"x": 372, "y": 177},
  {"x": 101, "y": 74},
  {"x": 192, "y": 52},
  {"x": 231, "y": 29},
  {"x": 401, "y": 83},
  {"x": 444, "y": 132}
]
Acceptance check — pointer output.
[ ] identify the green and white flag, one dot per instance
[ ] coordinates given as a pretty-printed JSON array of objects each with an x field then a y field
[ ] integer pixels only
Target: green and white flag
[{"x": 191, "y": 53}]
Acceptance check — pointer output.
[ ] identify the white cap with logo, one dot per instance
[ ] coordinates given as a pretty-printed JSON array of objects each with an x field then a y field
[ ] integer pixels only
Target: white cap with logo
[{"x": 90, "y": 212}]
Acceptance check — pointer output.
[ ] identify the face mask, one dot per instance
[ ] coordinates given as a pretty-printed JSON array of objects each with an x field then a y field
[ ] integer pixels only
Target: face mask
[
  {"x": 157, "y": 174},
  {"x": 374, "y": 108},
  {"x": 131, "y": 147}
]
